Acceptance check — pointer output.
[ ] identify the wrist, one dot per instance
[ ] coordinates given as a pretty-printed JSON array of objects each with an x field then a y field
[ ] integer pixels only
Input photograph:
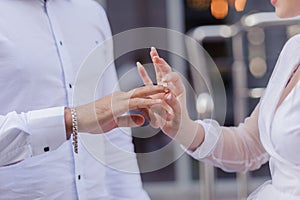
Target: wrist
[
  {"x": 198, "y": 138},
  {"x": 192, "y": 135},
  {"x": 68, "y": 122}
]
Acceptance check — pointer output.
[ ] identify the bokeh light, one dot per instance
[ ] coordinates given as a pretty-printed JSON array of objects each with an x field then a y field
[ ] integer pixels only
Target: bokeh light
[{"x": 219, "y": 8}]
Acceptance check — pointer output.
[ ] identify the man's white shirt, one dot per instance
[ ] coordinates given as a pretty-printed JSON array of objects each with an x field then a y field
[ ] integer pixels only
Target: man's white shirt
[{"x": 42, "y": 45}]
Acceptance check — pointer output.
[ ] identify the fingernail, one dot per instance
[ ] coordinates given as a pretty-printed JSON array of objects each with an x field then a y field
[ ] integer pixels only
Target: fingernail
[
  {"x": 138, "y": 64},
  {"x": 169, "y": 97},
  {"x": 153, "y": 49}
]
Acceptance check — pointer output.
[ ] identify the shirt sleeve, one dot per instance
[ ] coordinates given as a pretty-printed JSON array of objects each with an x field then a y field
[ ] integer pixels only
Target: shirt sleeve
[
  {"x": 232, "y": 148},
  {"x": 29, "y": 134}
]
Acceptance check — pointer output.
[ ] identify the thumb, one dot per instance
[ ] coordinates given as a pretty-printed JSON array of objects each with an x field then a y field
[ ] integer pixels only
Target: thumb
[{"x": 134, "y": 120}]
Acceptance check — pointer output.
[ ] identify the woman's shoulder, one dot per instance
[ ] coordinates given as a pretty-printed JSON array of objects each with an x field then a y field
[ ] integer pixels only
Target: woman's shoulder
[
  {"x": 293, "y": 42},
  {"x": 291, "y": 49}
]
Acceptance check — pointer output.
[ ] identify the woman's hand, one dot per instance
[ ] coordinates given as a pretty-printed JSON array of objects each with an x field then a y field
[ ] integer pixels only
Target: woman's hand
[
  {"x": 156, "y": 114},
  {"x": 177, "y": 123},
  {"x": 106, "y": 113}
]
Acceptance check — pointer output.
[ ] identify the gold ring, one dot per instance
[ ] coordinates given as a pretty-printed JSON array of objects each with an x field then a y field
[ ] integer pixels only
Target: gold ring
[{"x": 166, "y": 89}]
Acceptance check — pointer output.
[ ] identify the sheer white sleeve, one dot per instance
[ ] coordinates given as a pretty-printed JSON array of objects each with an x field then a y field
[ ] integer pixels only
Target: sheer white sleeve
[{"x": 232, "y": 148}]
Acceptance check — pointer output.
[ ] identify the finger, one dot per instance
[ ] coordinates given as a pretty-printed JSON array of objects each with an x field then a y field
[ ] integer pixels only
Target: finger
[
  {"x": 158, "y": 72},
  {"x": 153, "y": 52},
  {"x": 145, "y": 112},
  {"x": 176, "y": 83},
  {"x": 138, "y": 103},
  {"x": 159, "y": 114},
  {"x": 150, "y": 116},
  {"x": 164, "y": 67},
  {"x": 134, "y": 120},
  {"x": 143, "y": 74},
  {"x": 174, "y": 119},
  {"x": 146, "y": 91},
  {"x": 170, "y": 116},
  {"x": 169, "y": 113},
  {"x": 171, "y": 100},
  {"x": 154, "y": 120},
  {"x": 156, "y": 115},
  {"x": 159, "y": 95}
]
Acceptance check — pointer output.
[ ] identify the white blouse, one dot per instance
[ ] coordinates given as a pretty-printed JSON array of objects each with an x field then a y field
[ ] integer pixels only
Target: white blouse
[{"x": 271, "y": 133}]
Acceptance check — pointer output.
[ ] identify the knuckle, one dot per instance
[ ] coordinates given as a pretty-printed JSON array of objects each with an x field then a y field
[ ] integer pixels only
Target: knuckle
[{"x": 176, "y": 75}]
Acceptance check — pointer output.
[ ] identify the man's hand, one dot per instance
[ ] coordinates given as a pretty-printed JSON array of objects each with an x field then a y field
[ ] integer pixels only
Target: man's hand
[{"x": 106, "y": 113}]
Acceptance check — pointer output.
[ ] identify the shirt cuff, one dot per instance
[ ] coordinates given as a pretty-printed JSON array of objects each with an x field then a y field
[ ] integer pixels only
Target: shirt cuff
[
  {"x": 47, "y": 129},
  {"x": 212, "y": 134}
]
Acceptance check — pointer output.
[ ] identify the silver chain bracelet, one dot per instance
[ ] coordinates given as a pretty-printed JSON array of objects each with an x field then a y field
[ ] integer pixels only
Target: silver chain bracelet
[{"x": 75, "y": 129}]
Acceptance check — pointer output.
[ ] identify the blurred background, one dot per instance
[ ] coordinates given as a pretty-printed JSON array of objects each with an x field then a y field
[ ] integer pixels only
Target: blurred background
[{"x": 244, "y": 43}]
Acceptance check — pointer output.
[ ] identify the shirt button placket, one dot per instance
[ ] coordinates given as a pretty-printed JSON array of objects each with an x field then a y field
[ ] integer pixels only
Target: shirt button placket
[{"x": 68, "y": 74}]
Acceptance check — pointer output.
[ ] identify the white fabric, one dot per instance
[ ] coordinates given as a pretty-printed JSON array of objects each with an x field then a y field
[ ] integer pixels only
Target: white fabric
[
  {"x": 41, "y": 49},
  {"x": 267, "y": 133}
]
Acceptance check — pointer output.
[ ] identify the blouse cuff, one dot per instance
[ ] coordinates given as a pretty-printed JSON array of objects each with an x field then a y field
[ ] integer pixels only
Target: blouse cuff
[
  {"x": 212, "y": 134},
  {"x": 47, "y": 129}
]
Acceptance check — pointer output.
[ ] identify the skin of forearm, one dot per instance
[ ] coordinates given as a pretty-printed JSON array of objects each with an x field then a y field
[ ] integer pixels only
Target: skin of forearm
[
  {"x": 198, "y": 137},
  {"x": 191, "y": 135},
  {"x": 68, "y": 122}
]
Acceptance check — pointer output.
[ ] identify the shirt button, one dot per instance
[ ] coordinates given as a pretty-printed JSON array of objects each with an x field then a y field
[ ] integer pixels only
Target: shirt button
[
  {"x": 79, "y": 177},
  {"x": 46, "y": 149},
  {"x": 70, "y": 85},
  {"x": 60, "y": 42}
]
